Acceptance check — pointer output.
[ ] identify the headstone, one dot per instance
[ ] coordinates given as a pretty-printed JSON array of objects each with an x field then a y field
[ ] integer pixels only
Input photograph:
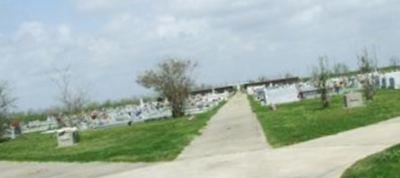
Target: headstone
[
  {"x": 273, "y": 107},
  {"x": 141, "y": 103},
  {"x": 352, "y": 100},
  {"x": 15, "y": 132},
  {"x": 67, "y": 137},
  {"x": 392, "y": 83},
  {"x": 265, "y": 96},
  {"x": 377, "y": 82},
  {"x": 384, "y": 84}
]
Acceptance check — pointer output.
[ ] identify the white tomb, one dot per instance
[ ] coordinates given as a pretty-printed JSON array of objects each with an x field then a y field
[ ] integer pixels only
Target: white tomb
[{"x": 67, "y": 137}]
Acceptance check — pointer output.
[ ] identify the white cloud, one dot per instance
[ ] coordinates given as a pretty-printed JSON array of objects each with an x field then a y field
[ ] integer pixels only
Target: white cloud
[
  {"x": 95, "y": 5},
  {"x": 169, "y": 27},
  {"x": 103, "y": 52},
  {"x": 64, "y": 30},
  {"x": 267, "y": 37},
  {"x": 308, "y": 15},
  {"x": 31, "y": 31},
  {"x": 118, "y": 22}
]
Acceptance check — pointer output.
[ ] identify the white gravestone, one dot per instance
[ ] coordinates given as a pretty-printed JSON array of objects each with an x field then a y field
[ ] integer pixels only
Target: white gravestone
[
  {"x": 353, "y": 100},
  {"x": 67, "y": 137}
]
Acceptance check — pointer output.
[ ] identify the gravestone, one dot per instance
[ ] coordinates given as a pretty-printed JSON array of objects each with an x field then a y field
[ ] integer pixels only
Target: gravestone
[
  {"x": 67, "y": 137},
  {"x": 377, "y": 82},
  {"x": 384, "y": 84},
  {"x": 15, "y": 132},
  {"x": 392, "y": 83},
  {"x": 352, "y": 100}
]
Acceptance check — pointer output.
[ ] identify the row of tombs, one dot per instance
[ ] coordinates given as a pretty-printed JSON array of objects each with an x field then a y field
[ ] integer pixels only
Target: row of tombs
[
  {"x": 67, "y": 127},
  {"x": 279, "y": 94}
]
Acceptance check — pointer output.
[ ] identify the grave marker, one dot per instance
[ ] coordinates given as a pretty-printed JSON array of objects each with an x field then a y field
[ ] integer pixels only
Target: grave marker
[
  {"x": 67, "y": 137},
  {"x": 352, "y": 100},
  {"x": 392, "y": 83}
]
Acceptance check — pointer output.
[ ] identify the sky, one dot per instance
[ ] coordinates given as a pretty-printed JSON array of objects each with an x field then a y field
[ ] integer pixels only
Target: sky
[{"x": 106, "y": 44}]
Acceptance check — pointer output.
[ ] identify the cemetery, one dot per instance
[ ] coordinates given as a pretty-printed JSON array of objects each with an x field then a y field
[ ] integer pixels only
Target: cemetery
[
  {"x": 83, "y": 136},
  {"x": 199, "y": 89},
  {"x": 114, "y": 144},
  {"x": 301, "y": 121},
  {"x": 288, "y": 111},
  {"x": 299, "y": 118},
  {"x": 129, "y": 114}
]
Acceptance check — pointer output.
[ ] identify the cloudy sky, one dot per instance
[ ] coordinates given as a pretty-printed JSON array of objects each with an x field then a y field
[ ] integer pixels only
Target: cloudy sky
[{"x": 107, "y": 43}]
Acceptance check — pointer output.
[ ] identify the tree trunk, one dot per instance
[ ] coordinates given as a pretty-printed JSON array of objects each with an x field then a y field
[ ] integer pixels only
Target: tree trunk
[
  {"x": 324, "y": 97},
  {"x": 177, "y": 111}
]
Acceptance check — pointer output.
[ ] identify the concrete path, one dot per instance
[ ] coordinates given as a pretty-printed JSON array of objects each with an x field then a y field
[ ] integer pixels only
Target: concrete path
[
  {"x": 62, "y": 170},
  {"x": 233, "y": 129},
  {"x": 232, "y": 146},
  {"x": 327, "y": 157}
]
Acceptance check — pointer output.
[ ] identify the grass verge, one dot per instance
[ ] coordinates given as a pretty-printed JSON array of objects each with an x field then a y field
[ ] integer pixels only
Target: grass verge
[
  {"x": 143, "y": 142},
  {"x": 381, "y": 165},
  {"x": 301, "y": 121}
]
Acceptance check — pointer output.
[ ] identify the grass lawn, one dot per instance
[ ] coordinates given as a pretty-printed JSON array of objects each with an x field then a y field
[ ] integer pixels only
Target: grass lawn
[
  {"x": 300, "y": 121},
  {"x": 381, "y": 165},
  {"x": 144, "y": 142}
]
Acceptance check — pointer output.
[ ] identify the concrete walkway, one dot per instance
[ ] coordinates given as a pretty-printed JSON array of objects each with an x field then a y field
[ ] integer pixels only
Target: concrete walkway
[
  {"x": 233, "y": 129},
  {"x": 62, "y": 170},
  {"x": 232, "y": 146},
  {"x": 327, "y": 157}
]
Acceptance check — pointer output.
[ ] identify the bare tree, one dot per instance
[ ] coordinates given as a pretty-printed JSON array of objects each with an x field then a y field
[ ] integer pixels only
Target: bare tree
[
  {"x": 262, "y": 78},
  {"x": 321, "y": 74},
  {"x": 6, "y": 102},
  {"x": 367, "y": 67},
  {"x": 340, "y": 69},
  {"x": 172, "y": 80},
  {"x": 202, "y": 87},
  {"x": 395, "y": 62},
  {"x": 288, "y": 75},
  {"x": 73, "y": 99}
]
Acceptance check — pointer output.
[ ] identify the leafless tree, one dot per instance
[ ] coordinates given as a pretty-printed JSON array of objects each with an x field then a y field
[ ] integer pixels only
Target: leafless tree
[
  {"x": 340, "y": 69},
  {"x": 73, "y": 98},
  {"x": 202, "y": 87},
  {"x": 367, "y": 66},
  {"x": 172, "y": 79},
  {"x": 262, "y": 78},
  {"x": 288, "y": 75},
  {"x": 6, "y": 102},
  {"x": 321, "y": 74},
  {"x": 395, "y": 62}
]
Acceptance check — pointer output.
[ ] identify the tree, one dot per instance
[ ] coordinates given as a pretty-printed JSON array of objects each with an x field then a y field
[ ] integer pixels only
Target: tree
[
  {"x": 262, "y": 78},
  {"x": 395, "y": 62},
  {"x": 367, "y": 67},
  {"x": 6, "y": 102},
  {"x": 340, "y": 69},
  {"x": 172, "y": 80},
  {"x": 73, "y": 99},
  {"x": 321, "y": 74},
  {"x": 288, "y": 75}
]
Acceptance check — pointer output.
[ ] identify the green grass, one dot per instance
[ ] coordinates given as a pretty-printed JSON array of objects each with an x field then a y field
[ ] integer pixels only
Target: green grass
[
  {"x": 382, "y": 165},
  {"x": 144, "y": 142},
  {"x": 301, "y": 121}
]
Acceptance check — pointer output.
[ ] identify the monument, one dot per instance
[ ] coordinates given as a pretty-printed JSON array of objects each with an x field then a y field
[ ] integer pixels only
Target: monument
[
  {"x": 67, "y": 137},
  {"x": 352, "y": 100},
  {"x": 15, "y": 129},
  {"x": 392, "y": 83}
]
